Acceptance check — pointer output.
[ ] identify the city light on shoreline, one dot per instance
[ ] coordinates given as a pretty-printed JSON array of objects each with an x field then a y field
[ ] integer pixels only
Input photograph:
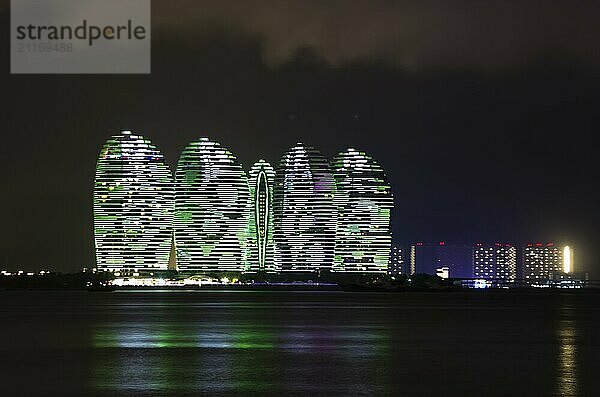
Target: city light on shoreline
[{"x": 567, "y": 260}]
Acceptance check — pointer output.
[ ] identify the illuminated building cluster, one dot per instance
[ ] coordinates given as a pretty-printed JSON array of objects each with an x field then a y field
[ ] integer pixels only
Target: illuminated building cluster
[
  {"x": 308, "y": 215},
  {"x": 212, "y": 209},
  {"x": 363, "y": 201},
  {"x": 133, "y": 205},
  {"x": 260, "y": 226},
  {"x": 303, "y": 212},
  {"x": 491, "y": 261},
  {"x": 218, "y": 218},
  {"x": 495, "y": 261}
]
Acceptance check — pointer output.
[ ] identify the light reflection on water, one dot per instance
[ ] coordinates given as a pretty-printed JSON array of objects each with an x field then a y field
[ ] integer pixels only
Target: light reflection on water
[
  {"x": 336, "y": 343},
  {"x": 225, "y": 357},
  {"x": 567, "y": 379}
]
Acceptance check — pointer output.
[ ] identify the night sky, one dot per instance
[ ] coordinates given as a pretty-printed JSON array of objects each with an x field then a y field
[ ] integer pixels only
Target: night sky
[{"x": 482, "y": 113}]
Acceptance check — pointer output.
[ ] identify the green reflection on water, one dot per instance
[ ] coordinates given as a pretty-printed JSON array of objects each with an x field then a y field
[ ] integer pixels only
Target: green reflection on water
[
  {"x": 161, "y": 336},
  {"x": 226, "y": 357},
  {"x": 127, "y": 363},
  {"x": 252, "y": 338},
  {"x": 252, "y": 362},
  {"x": 134, "y": 356}
]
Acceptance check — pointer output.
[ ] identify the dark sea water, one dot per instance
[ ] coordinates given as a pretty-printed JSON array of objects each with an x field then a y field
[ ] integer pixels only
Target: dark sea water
[{"x": 299, "y": 343}]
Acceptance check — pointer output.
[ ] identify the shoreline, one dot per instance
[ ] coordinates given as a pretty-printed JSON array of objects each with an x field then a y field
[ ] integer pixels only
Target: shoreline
[{"x": 317, "y": 288}]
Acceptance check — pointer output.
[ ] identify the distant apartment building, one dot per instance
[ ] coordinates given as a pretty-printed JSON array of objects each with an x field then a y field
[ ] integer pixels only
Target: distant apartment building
[
  {"x": 542, "y": 261},
  {"x": 430, "y": 258},
  {"x": 443, "y": 272},
  {"x": 397, "y": 263},
  {"x": 494, "y": 261}
]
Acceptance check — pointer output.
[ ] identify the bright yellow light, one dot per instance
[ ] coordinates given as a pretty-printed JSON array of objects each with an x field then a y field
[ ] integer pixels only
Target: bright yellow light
[{"x": 567, "y": 259}]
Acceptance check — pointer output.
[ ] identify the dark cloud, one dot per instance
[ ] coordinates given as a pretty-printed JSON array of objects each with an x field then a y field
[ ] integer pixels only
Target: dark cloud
[
  {"x": 471, "y": 155},
  {"x": 412, "y": 35}
]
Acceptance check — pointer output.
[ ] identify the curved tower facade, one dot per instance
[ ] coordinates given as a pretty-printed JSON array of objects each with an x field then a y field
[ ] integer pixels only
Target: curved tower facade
[
  {"x": 364, "y": 202},
  {"x": 133, "y": 205},
  {"x": 212, "y": 208},
  {"x": 304, "y": 216},
  {"x": 260, "y": 226}
]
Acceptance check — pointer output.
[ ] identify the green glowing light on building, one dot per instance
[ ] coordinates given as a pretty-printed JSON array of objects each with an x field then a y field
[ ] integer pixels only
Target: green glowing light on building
[
  {"x": 260, "y": 227},
  {"x": 363, "y": 200},
  {"x": 133, "y": 205}
]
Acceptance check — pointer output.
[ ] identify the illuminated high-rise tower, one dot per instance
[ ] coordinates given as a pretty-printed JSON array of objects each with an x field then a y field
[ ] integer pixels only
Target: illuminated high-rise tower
[
  {"x": 212, "y": 207},
  {"x": 260, "y": 226},
  {"x": 133, "y": 205},
  {"x": 363, "y": 200},
  {"x": 495, "y": 261},
  {"x": 541, "y": 261},
  {"x": 303, "y": 212}
]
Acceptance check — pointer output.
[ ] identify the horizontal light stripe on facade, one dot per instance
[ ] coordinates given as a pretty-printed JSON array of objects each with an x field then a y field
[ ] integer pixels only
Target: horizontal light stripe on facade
[
  {"x": 304, "y": 216},
  {"x": 363, "y": 201},
  {"x": 212, "y": 209},
  {"x": 260, "y": 227},
  {"x": 133, "y": 205}
]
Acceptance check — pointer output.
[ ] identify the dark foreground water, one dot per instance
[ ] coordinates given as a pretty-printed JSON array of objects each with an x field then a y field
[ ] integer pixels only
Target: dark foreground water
[{"x": 296, "y": 343}]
